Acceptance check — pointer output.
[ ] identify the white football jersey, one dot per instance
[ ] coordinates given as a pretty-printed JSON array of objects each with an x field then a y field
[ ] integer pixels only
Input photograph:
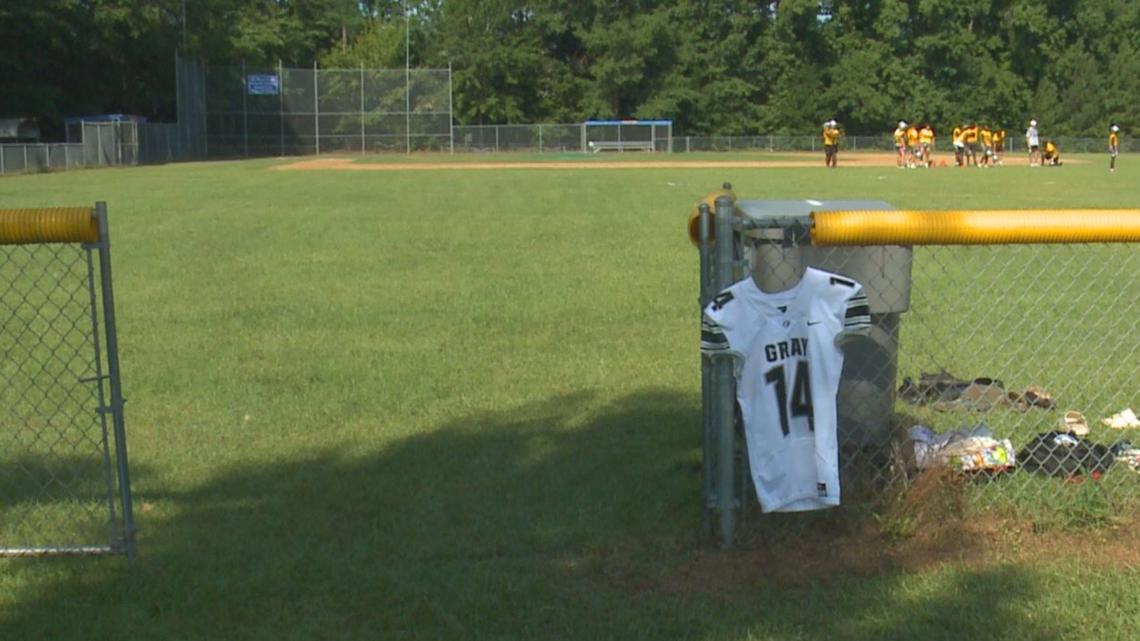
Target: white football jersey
[{"x": 787, "y": 379}]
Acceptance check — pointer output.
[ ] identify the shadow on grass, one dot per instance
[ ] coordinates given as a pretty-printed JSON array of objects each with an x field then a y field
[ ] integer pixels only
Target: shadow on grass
[
  {"x": 555, "y": 520},
  {"x": 28, "y": 478},
  {"x": 57, "y": 500}
]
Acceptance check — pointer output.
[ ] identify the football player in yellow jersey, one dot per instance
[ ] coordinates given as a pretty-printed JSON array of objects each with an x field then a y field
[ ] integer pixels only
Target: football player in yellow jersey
[
  {"x": 959, "y": 144},
  {"x": 987, "y": 138},
  {"x": 926, "y": 142},
  {"x": 970, "y": 136},
  {"x": 999, "y": 146},
  {"x": 900, "y": 144},
  {"x": 831, "y": 134},
  {"x": 1052, "y": 155},
  {"x": 912, "y": 146},
  {"x": 1113, "y": 146}
]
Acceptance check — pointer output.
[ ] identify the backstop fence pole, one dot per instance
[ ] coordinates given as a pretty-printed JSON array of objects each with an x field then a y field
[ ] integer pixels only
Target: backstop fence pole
[
  {"x": 281, "y": 107},
  {"x": 407, "y": 108},
  {"x": 316, "y": 109},
  {"x": 244, "y": 111},
  {"x": 450, "y": 110},
  {"x": 363, "y": 141}
]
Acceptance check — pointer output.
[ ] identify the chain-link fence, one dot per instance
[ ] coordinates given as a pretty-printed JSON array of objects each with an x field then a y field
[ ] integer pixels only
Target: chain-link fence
[
  {"x": 25, "y": 158},
  {"x": 227, "y": 111},
  {"x": 90, "y": 144},
  {"x": 255, "y": 130},
  {"x": 521, "y": 138},
  {"x": 1007, "y": 371},
  {"x": 567, "y": 137},
  {"x": 64, "y": 486}
]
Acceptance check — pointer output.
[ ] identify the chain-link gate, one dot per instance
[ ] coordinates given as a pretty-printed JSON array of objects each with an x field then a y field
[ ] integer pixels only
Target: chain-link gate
[
  {"x": 1002, "y": 354},
  {"x": 64, "y": 483}
]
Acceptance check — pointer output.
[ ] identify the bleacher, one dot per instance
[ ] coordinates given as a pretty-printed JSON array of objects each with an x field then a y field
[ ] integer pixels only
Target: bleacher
[{"x": 597, "y": 146}]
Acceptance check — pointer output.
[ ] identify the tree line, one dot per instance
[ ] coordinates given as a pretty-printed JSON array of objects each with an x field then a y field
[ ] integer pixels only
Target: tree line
[{"x": 729, "y": 67}]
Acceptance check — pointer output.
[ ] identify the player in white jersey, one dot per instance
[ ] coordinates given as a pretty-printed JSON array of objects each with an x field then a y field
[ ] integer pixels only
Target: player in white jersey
[
  {"x": 787, "y": 377},
  {"x": 1033, "y": 144}
]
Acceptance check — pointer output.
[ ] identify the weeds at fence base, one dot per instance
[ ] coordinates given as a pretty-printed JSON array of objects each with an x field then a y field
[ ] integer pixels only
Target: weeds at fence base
[
  {"x": 938, "y": 516},
  {"x": 933, "y": 502}
]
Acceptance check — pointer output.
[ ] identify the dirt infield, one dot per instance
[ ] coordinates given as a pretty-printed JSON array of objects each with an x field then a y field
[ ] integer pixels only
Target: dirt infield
[{"x": 853, "y": 159}]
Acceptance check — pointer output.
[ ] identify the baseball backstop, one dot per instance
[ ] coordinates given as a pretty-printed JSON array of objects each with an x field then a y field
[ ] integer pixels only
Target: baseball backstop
[{"x": 246, "y": 111}]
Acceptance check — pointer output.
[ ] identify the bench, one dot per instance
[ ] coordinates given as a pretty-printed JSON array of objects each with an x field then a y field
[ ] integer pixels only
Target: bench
[{"x": 621, "y": 145}]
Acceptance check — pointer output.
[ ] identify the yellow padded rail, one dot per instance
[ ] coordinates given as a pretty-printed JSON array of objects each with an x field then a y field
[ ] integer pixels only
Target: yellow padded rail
[
  {"x": 976, "y": 227},
  {"x": 48, "y": 225}
]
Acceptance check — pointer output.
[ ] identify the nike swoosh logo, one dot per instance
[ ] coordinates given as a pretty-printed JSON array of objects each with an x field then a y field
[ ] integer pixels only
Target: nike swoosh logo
[{"x": 814, "y": 322}]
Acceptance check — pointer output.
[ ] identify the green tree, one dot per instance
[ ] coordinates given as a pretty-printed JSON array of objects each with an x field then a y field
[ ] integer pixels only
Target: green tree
[
  {"x": 713, "y": 83},
  {"x": 713, "y": 66},
  {"x": 498, "y": 59},
  {"x": 378, "y": 45}
]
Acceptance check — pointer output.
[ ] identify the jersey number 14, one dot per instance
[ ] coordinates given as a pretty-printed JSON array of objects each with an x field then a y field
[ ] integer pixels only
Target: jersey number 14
[{"x": 799, "y": 404}]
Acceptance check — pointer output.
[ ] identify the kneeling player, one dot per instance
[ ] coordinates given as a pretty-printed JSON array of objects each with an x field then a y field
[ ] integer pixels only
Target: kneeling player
[{"x": 1052, "y": 155}]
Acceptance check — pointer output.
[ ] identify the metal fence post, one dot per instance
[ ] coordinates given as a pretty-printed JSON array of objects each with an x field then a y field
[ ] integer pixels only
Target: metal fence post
[
  {"x": 205, "y": 116},
  {"x": 116, "y": 407},
  {"x": 708, "y": 424},
  {"x": 281, "y": 108},
  {"x": 362, "y": 141},
  {"x": 244, "y": 111},
  {"x": 407, "y": 101},
  {"x": 722, "y": 380},
  {"x": 450, "y": 109},
  {"x": 316, "y": 108}
]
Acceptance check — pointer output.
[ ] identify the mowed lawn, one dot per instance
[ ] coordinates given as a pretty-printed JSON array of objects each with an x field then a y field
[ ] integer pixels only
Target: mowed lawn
[{"x": 466, "y": 405}]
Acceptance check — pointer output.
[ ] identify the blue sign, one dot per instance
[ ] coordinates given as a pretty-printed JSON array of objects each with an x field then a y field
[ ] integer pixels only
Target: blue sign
[{"x": 262, "y": 84}]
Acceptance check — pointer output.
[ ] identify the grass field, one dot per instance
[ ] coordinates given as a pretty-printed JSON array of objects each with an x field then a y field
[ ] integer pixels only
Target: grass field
[{"x": 455, "y": 404}]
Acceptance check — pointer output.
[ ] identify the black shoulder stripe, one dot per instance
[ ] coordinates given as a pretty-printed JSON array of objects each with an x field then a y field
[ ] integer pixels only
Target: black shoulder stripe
[{"x": 842, "y": 281}]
